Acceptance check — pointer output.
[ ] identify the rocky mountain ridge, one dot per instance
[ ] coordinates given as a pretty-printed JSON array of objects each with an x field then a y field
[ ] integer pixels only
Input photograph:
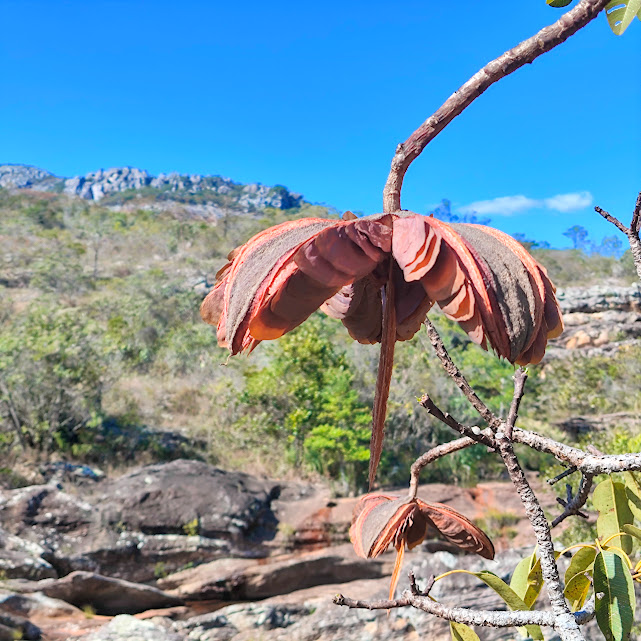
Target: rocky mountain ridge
[{"x": 105, "y": 183}]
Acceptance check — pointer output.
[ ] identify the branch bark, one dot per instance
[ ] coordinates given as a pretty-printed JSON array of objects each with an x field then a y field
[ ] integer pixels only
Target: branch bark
[
  {"x": 487, "y": 618},
  {"x": 524, "y": 53},
  {"x": 455, "y": 374}
]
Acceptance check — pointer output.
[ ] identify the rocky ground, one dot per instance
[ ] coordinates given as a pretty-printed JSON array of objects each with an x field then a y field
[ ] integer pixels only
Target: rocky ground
[{"x": 183, "y": 550}]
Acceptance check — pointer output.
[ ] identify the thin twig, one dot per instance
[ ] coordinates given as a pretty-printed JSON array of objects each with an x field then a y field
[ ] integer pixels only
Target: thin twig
[
  {"x": 455, "y": 374},
  {"x": 474, "y": 432},
  {"x": 574, "y": 503},
  {"x": 444, "y": 449},
  {"x": 524, "y": 53},
  {"x": 631, "y": 232},
  {"x": 560, "y": 477},
  {"x": 611, "y": 219},
  {"x": 519, "y": 389},
  {"x": 415, "y": 590},
  {"x": 381, "y": 604}
]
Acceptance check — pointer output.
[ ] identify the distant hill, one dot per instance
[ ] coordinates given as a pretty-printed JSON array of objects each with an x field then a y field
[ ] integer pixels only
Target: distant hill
[{"x": 121, "y": 184}]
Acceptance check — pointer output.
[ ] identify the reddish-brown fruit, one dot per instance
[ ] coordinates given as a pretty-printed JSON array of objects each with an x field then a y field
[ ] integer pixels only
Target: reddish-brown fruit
[
  {"x": 380, "y": 520},
  {"x": 380, "y": 275}
]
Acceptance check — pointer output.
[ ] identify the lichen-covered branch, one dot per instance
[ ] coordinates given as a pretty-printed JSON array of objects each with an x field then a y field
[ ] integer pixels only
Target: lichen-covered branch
[
  {"x": 524, "y": 53},
  {"x": 586, "y": 462},
  {"x": 541, "y": 528},
  {"x": 487, "y": 618},
  {"x": 519, "y": 389}
]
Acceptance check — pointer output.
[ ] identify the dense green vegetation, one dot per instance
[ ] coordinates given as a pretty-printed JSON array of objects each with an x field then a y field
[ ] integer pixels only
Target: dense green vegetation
[{"x": 102, "y": 352}]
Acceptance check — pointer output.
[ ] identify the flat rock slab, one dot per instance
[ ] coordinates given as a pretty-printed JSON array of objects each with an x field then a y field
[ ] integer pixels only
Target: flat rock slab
[
  {"x": 106, "y": 595},
  {"x": 128, "y": 628},
  {"x": 242, "y": 579}
]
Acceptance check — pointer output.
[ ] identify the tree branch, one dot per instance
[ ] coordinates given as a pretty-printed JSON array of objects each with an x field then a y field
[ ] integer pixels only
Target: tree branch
[
  {"x": 574, "y": 504},
  {"x": 524, "y": 53},
  {"x": 432, "y": 455},
  {"x": 570, "y": 629},
  {"x": 631, "y": 232},
  {"x": 611, "y": 219},
  {"x": 487, "y": 618},
  {"x": 455, "y": 374},
  {"x": 636, "y": 216},
  {"x": 519, "y": 389}
]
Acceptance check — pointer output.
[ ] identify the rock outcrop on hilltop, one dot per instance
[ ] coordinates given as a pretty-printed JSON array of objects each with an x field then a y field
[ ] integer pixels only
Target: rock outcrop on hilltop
[
  {"x": 597, "y": 319},
  {"x": 109, "y": 182}
]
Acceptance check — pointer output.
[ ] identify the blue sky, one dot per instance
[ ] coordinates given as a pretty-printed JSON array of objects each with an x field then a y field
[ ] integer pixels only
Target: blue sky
[{"x": 316, "y": 97}]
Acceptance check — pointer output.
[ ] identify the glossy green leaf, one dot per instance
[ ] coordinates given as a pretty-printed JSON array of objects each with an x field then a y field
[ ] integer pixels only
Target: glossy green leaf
[
  {"x": 513, "y": 600},
  {"x": 621, "y": 13},
  {"x": 581, "y": 562},
  {"x": 633, "y": 490},
  {"x": 576, "y": 591},
  {"x": 633, "y": 530},
  {"x": 614, "y": 590},
  {"x": 611, "y": 500},
  {"x": 462, "y": 632},
  {"x": 557, "y": 4}
]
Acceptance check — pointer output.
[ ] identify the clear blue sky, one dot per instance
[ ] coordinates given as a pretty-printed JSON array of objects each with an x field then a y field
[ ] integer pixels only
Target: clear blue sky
[{"x": 316, "y": 97}]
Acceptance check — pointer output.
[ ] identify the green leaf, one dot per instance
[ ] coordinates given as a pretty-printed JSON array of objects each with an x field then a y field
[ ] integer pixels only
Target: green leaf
[
  {"x": 620, "y": 14},
  {"x": 510, "y": 597},
  {"x": 519, "y": 581},
  {"x": 581, "y": 562},
  {"x": 557, "y": 4},
  {"x": 462, "y": 632},
  {"x": 633, "y": 530},
  {"x": 576, "y": 591},
  {"x": 633, "y": 490},
  {"x": 611, "y": 500},
  {"x": 614, "y": 590}
]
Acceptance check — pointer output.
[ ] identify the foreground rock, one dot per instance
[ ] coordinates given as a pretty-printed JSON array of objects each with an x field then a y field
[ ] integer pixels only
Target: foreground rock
[
  {"x": 126, "y": 628},
  {"x": 146, "y": 523},
  {"x": 244, "y": 580},
  {"x": 105, "y": 595},
  {"x": 190, "y": 496}
]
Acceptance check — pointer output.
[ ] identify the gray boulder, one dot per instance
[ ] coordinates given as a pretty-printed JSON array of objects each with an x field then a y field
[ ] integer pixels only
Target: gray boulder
[
  {"x": 190, "y": 497},
  {"x": 106, "y": 595}
]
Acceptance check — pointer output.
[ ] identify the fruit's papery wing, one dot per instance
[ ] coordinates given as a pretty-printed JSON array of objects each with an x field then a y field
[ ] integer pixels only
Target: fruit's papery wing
[
  {"x": 517, "y": 285},
  {"x": 457, "y": 529},
  {"x": 360, "y": 515},
  {"x": 412, "y": 305},
  {"x": 359, "y": 307},
  {"x": 379, "y": 521},
  {"x": 432, "y": 253},
  {"x": 331, "y": 259}
]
